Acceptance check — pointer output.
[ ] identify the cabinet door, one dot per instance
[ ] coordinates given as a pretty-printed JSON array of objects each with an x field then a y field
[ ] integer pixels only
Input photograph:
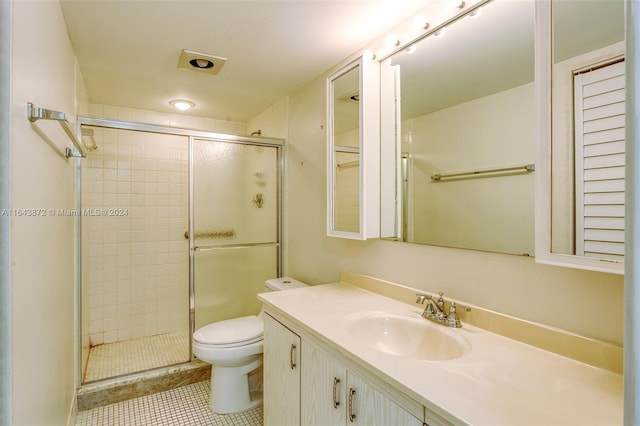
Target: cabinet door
[
  {"x": 323, "y": 384},
  {"x": 367, "y": 406},
  {"x": 281, "y": 374},
  {"x": 353, "y": 150}
]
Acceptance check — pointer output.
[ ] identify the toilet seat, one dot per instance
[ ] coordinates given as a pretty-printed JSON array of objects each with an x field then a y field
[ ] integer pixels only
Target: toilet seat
[{"x": 231, "y": 333}]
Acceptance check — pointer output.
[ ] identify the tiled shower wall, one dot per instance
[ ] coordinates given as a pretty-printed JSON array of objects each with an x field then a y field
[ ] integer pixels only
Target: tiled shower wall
[{"x": 134, "y": 215}]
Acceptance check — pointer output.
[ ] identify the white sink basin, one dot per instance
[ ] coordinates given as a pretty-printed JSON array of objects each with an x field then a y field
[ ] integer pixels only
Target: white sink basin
[{"x": 406, "y": 336}]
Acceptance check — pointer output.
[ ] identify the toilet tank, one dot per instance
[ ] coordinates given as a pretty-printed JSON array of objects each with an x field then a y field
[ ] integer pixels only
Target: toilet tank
[{"x": 283, "y": 283}]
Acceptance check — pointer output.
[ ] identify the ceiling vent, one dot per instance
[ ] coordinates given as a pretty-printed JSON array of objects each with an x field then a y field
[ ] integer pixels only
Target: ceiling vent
[{"x": 202, "y": 62}]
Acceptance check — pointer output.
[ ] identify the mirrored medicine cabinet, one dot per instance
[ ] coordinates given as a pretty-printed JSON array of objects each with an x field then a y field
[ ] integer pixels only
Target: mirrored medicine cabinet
[
  {"x": 458, "y": 132},
  {"x": 466, "y": 141},
  {"x": 581, "y": 179},
  {"x": 353, "y": 150}
]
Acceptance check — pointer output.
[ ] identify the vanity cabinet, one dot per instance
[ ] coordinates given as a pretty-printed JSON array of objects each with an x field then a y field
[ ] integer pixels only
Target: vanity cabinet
[
  {"x": 331, "y": 394},
  {"x": 307, "y": 384},
  {"x": 281, "y": 374}
]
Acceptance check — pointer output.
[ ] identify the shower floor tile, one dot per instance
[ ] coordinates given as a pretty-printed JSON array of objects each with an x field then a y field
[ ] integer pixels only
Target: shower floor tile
[
  {"x": 119, "y": 358},
  {"x": 187, "y": 405}
]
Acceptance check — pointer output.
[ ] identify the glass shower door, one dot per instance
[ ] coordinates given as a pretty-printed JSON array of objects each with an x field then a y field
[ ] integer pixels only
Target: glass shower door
[{"x": 235, "y": 227}]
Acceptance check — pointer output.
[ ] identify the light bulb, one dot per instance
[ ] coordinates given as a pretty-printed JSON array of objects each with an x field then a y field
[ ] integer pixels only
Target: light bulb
[
  {"x": 392, "y": 41},
  {"x": 420, "y": 23},
  {"x": 368, "y": 54}
]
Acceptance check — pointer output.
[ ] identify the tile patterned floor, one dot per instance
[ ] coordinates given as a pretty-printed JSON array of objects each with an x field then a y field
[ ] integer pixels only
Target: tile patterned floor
[
  {"x": 184, "y": 406},
  {"x": 116, "y": 359}
]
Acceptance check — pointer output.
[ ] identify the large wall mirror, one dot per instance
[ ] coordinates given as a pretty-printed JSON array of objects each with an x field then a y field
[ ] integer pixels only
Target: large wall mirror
[
  {"x": 465, "y": 157},
  {"x": 584, "y": 83}
]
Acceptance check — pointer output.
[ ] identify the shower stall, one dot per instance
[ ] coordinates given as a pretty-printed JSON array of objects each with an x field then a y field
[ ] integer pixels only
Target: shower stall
[{"x": 179, "y": 228}]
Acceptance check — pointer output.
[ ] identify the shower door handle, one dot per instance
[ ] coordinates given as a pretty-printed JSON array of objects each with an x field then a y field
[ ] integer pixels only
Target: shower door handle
[{"x": 233, "y": 246}]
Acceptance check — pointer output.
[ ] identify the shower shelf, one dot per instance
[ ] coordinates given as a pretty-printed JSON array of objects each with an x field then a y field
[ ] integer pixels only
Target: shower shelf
[{"x": 35, "y": 113}]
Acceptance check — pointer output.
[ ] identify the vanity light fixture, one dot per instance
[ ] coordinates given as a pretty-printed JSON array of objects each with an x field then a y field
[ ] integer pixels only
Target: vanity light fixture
[
  {"x": 182, "y": 104},
  {"x": 420, "y": 23},
  {"x": 368, "y": 54},
  {"x": 392, "y": 41},
  {"x": 420, "y": 27}
]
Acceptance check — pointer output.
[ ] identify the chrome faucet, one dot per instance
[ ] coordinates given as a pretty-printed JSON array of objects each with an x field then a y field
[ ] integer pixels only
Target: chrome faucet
[{"x": 437, "y": 312}]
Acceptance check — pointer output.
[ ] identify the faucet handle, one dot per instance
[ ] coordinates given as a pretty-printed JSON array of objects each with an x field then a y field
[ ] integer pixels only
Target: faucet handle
[
  {"x": 465, "y": 307},
  {"x": 453, "y": 319},
  {"x": 440, "y": 301}
]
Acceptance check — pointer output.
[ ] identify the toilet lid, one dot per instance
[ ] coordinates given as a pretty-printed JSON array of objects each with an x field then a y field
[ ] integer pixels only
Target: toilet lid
[{"x": 236, "y": 330}]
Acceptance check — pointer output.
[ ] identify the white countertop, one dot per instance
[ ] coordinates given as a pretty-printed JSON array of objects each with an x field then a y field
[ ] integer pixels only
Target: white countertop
[{"x": 499, "y": 382}]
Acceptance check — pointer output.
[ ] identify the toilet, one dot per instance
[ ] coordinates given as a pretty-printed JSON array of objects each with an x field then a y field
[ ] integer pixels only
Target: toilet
[{"x": 234, "y": 349}]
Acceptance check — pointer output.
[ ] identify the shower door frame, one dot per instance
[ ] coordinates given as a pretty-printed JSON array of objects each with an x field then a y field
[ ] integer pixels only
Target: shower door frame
[{"x": 192, "y": 136}]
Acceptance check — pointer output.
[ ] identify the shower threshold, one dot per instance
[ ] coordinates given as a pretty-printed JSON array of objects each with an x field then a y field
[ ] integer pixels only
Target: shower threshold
[{"x": 123, "y": 388}]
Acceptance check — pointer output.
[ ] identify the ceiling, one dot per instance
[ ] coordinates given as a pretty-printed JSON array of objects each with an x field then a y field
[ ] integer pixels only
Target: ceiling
[{"x": 128, "y": 50}]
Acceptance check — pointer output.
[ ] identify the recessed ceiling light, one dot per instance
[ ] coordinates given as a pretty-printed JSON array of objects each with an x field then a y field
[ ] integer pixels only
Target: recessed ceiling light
[{"x": 182, "y": 104}]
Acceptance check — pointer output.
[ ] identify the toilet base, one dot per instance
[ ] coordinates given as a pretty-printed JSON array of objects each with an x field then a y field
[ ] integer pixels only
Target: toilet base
[{"x": 230, "y": 392}]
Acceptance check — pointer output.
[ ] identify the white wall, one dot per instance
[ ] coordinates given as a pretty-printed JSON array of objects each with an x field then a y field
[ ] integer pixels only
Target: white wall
[
  {"x": 42, "y": 248},
  {"x": 272, "y": 122},
  {"x": 559, "y": 297}
]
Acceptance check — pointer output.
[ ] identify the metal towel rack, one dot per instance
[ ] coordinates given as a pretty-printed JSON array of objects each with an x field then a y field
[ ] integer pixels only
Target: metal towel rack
[
  {"x": 35, "y": 113},
  {"x": 524, "y": 168},
  {"x": 225, "y": 233}
]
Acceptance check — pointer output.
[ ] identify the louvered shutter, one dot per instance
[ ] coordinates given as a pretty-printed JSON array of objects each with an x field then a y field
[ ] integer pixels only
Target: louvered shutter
[{"x": 600, "y": 145}]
